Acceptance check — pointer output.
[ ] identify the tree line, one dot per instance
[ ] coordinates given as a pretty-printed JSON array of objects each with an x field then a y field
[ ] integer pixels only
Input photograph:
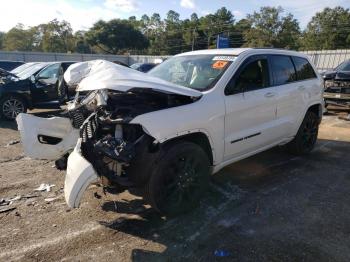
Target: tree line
[{"x": 152, "y": 35}]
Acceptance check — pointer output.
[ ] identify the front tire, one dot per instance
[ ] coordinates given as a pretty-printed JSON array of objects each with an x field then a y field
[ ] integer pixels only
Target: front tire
[
  {"x": 179, "y": 179},
  {"x": 11, "y": 107},
  {"x": 306, "y": 137}
]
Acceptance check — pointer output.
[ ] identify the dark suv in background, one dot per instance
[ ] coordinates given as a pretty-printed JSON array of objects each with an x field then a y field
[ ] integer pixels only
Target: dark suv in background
[
  {"x": 143, "y": 67},
  {"x": 34, "y": 86},
  {"x": 337, "y": 85}
]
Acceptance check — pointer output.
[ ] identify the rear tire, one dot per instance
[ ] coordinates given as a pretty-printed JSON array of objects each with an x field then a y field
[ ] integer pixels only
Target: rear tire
[
  {"x": 11, "y": 106},
  {"x": 179, "y": 179},
  {"x": 306, "y": 137}
]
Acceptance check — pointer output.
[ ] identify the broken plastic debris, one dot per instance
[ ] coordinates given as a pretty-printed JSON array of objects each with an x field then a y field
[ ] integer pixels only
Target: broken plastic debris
[
  {"x": 12, "y": 142},
  {"x": 30, "y": 196},
  {"x": 44, "y": 187},
  {"x": 11, "y": 200},
  {"x": 6, "y": 209},
  {"x": 4, "y": 202},
  {"x": 51, "y": 199}
]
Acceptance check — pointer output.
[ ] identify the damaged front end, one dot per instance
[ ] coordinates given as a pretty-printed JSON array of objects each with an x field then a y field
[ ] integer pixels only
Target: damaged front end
[
  {"x": 116, "y": 151},
  {"x": 337, "y": 89},
  {"x": 110, "y": 147}
]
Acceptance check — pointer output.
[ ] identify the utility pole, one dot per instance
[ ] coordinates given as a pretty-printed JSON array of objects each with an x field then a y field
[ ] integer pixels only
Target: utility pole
[
  {"x": 208, "y": 38},
  {"x": 193, "y": 36}
]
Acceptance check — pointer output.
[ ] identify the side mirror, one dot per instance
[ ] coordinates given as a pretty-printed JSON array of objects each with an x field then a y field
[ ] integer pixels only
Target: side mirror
[
  {"x": 41, "y": 78},
  {"x": 32, "y": 78}
]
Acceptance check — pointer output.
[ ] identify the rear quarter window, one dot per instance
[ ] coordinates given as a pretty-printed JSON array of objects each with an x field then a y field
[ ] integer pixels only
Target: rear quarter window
[
  {"x": 303, "y": 68},
  {"x": 282, "y": 69}
]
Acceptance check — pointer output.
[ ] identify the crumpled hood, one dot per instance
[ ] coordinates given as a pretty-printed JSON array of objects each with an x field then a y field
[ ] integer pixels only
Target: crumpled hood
[{"x": 101, "y": 74}]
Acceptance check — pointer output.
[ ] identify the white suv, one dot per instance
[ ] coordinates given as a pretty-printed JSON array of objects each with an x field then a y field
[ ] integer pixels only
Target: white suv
[{"x": 163, "y": 133}]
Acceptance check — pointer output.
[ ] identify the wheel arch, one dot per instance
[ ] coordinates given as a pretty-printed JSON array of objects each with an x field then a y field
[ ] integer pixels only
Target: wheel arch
[
  {"x": 23, "y": 97},
  {"x": 317, "y": 109},
  {"x": 199, "y": 138}
]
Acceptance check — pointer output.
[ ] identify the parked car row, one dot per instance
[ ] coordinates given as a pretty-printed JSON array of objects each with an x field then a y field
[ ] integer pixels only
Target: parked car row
[
  {"x": 34, "y": 84},
  {"x": 30, "y": 86}
]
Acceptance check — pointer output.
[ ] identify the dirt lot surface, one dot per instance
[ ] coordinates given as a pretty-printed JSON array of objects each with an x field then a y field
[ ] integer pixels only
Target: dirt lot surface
[{"x": 270, "y": 207}]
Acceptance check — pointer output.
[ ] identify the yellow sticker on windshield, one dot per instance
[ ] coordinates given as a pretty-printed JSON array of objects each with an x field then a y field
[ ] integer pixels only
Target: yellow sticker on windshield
[{"x": 219, "y": 64}]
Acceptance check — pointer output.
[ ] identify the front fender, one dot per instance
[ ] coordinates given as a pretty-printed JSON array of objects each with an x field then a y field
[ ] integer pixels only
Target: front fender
[{"x": 206, "y": 116}]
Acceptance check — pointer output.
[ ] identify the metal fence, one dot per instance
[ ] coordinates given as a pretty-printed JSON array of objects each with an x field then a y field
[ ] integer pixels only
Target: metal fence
[
  {"x": 323, "y": 59},
  {"x": 48, "y": 57},
  {"x": 328, "y": 59}
]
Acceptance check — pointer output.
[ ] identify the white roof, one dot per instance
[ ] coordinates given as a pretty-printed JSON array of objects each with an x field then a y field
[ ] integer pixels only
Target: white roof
[
  {"x": 238, "y": 51},
  {"x": 223, "y": 51},
  {"x": 101, "y": 74}
]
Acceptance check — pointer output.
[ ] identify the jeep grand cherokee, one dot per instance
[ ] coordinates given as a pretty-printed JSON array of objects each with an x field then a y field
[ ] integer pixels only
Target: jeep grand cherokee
[{"x": 163, "y": 133}]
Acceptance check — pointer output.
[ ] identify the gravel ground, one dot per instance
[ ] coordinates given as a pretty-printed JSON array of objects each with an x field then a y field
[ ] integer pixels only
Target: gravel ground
[{"x": 270, "y": 207}]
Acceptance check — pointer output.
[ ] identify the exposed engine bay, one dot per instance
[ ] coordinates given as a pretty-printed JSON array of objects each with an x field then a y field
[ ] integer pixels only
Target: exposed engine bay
[{"x": 108, "y": 141}]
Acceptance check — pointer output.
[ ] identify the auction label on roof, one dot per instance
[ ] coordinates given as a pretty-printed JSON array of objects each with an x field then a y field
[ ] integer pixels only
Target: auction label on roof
[{"x": 224, "y": 58}]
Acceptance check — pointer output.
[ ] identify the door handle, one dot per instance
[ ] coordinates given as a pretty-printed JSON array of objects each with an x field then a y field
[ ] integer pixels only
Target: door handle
[
  {"x": 301, "y": 88},
  {"x": 269, "y": 94}
]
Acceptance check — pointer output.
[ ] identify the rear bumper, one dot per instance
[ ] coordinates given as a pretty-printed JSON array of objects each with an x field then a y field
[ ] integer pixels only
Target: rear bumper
[{"x": 80, "y": 174}]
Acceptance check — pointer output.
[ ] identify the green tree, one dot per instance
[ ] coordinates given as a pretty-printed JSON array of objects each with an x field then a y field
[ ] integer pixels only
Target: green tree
[
  {"x": 270, "y": 29},
  {"x": 221, "y": 22},
  {"x": 116, "y": 36},
  {"x": 80, "y": 43},
  {"x": 174, "y": 42},
  {"x": 155, "y": 34},
  {"x": 2, "y": 36},
  {"x": 237, "y": 37},
  {"x": 19, "y": 39},
  {"x": 55, "y": 36},
  {"x": 329, "y": 29},
  {"x": 134, "y": 22}
]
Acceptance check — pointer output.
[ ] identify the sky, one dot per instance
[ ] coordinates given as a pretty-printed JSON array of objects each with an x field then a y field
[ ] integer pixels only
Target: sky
[{"x": 83, "y": 13}]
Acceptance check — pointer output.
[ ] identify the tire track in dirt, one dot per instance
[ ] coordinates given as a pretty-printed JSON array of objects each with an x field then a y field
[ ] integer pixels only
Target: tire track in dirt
[{"x": 52, "y": 242}]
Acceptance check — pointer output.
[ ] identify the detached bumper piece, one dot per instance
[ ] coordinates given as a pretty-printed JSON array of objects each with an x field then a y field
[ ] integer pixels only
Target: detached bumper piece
[
  {"x": 46, "y": 138},
  {"x": 80, "y": 174}
]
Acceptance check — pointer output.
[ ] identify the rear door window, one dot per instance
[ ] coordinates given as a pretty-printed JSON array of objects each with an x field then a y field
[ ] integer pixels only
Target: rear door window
[
  {"x": 282, "y": 69},
  {"x": 303, "y": 68}
]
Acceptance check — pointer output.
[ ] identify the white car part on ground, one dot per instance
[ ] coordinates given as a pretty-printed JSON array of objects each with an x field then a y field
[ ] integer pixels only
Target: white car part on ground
[
  {"x": 31, "y": 127},
  {"x": 80, "y": 174},
  {"x": 100, "y": 74}
]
